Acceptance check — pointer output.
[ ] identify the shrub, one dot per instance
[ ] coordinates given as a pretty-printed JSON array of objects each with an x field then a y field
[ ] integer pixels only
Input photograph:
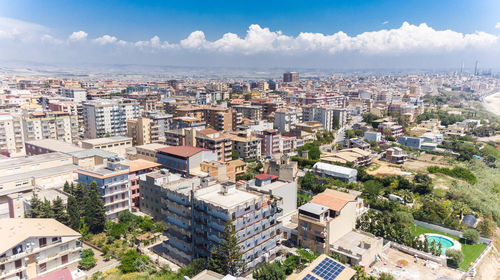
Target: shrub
[
  {"x": 471, "y": 235},
  {"x": 88, "y": 261},
  {"x": 455, "y": 257},
  {"x": 127, "y": 261}
]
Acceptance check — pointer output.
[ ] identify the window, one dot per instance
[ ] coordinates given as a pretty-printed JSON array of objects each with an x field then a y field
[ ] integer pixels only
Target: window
[
  {"x": 64, "y": 259},
  {"x": 43, "y": 267},
  {"x": 55, "y": 239},
  {"x": 18, "y": 263},
  {"x": 42, "y": 242},
  {"x": 64, "y": 247}
]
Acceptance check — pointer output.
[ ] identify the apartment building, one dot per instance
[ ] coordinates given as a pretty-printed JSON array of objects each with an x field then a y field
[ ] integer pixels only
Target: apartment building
[
  {"x": 391, "y": 129},
  {"x": 114, "y": 144},
  {"x": 108, "y": 116},
  {"x": 113, "y": 183},
  {"x": 310, "y": 126},
  {"x": 248, "y": 146},
  {"x": 137, "y": 168},
  {"x": 330, "y": 117},
  {"x": 148, "y": 151},
  {"x": 184, "y": 159},
  {"x": 290, "y": 77},
  {"x": 188, "y": 122},
  {"x": 396, "y": 155},
  {"x": 11, "y": 135},
  {"x": 326, "y": 218},
  {"x": 285, "y": 120},
  {"x": 50, "y": 125},
  {"x": 221, "y": 118},
  {"x": 77, "y": 94},
  {"x": 142, "y": 131},
  {"x": 412, "y": 142},
  {"x": 268, "y": 106},
  {"x": 71, "y": 107},
  {"x": 355, "y": 156},
  {"x": 218, "y": 142},
  {"x": 162, "y": 121},
  {"x": 249, "y": 111},
  {"x": 36, "y": 247},
  {"x": 270, "y": 142},
  {"x": 195, "y": 213},
  {"x": 273, "y": 185}
]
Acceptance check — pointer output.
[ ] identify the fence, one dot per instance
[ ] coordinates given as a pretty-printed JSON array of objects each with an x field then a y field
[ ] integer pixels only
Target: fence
[
  {"x": 448, "y": 231},
  {"x": 472, "y": 267},
  {"x": 418, "y": 253}
]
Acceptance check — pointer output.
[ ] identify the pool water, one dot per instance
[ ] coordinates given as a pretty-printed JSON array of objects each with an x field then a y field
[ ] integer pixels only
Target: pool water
[{"x": 445, "y": 242}]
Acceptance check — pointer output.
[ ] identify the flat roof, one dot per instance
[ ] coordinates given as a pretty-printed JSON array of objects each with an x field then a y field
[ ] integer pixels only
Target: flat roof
[
  {"x": 55, "y": 145},
  {"x": 41, "y": 173},
  {"x": 324, "y": 268},
  {"x": 18, "y": 162},
  {"x": 85, "y": 153},
  {"x": 314, "y": 208},
  {"x": 106, "y": 140},
  {"x": 152, "y": 146},
  {"x": 15, "y": 230},
  {"x": 232, "y": 198}
]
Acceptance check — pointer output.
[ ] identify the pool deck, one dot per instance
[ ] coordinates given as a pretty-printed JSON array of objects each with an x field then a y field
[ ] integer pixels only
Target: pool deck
[{"x": 456, "y": 244}]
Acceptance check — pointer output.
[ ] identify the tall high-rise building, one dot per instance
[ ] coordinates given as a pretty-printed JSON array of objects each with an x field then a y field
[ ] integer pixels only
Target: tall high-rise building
[
  {"x": 103, "y": 117},
  {"x": 78, "y": 94},
  {"x": 290, "y": 77},
  {"x": 142, "y": 131}
]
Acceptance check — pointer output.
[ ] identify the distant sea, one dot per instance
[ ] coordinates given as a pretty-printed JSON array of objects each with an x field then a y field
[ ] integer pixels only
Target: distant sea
[{"x": 492, "y": 103}]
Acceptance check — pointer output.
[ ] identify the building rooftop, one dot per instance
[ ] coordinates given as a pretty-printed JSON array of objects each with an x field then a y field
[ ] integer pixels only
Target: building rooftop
[
  {"x": 324, "y": 268},
  {"x": 18, "y": 162},
  {"x": 228, "y": 200},
  {"x": 151, "y": 147},
  {"x": 85, "y": 153},
  {"x": 55, "y": 145},
  {"x": 140, "y": 164},
  {"x": 335, "y": 168},
  {"x": 181, "y": 151},
  {"x": 15, "y": 230},
  {"x": 208, "y": 275},
  {"x": 63, "y": 274},
  {"x": 106, "y": 140},
  {"x": 335, "y": 200},
  {"x": 314, "y": 208}
]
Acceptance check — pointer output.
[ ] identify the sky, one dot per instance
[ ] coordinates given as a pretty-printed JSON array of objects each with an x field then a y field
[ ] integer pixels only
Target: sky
[{"x": 324, "y": 34}]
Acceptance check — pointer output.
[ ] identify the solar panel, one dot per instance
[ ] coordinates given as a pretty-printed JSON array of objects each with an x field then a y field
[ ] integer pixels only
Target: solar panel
[
  {"x": 309, "y": 277},
  {"x": 328, "y": 269}
]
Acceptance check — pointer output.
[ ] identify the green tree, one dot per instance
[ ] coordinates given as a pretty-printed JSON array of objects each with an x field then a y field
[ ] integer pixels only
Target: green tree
[
  {"x": 35, "y": 208},
  {"x": 60, "y": 213},
  {"x": 66, "y": 187},
  {"x": 87, "y": 259},
  {"x": 471, "y": 235},
  {"x": 290, "y": 264},
  {"x": 227, "y": 257},
  {"x": 269, "y": 271},
  {"x": 455, "y": 257},
  {"x": 47, "y": 211},
  {"x": 487, "y": 225},
  {"x": 127, "y": 261},
  {"x": 386, "y": 276},
  {"x": 73, "y": 210},
  {"x": 94, "y": 211},
  {"x": 235, "y": 155}
]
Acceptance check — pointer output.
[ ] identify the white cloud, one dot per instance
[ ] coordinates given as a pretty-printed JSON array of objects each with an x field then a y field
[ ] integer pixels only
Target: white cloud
[
  {"x": 107, "y": 39},
  {"x": 385, "y": 22},
  {"x": 408, "y": 39},
  {"x": 497, "y": 25},
  {"x": 78, "y": 36}
]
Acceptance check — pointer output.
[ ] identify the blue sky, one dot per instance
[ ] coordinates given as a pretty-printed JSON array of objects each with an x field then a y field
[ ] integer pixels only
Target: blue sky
[{"x": 174, "y": 21}]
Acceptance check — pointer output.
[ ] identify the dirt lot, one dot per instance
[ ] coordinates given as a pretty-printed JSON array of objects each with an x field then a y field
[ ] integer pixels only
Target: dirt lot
[
  {"x": 413, "y": 271},
  {"x": 387, "y": 169},
  {"x": 422, "y": 163},
  {"x": 489, "y": 268}
]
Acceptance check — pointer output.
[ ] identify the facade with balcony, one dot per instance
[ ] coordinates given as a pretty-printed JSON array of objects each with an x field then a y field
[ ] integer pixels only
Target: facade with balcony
[
  {"x": 113, "y": 185},
  {"x": 50, "y": 125},
  {"x": 108, "y": 117},
  {"x": 35, "y": 247},
  {"x": 11, "y": 135}
]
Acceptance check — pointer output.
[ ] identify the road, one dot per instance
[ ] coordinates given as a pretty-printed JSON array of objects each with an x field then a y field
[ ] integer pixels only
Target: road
[{"x": 340, "y": 134}]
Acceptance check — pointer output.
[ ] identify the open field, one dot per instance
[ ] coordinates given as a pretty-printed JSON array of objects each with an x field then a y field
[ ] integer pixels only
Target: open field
[
  {"x": 471, "y": 251},
  {"x": 383, "y": 168}
]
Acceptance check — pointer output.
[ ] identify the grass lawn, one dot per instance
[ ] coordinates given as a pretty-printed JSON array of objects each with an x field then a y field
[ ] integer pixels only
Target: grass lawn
[{"x": 471, "y": 251}]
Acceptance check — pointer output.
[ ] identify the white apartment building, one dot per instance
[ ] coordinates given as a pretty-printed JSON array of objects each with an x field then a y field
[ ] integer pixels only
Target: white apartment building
[
  {"x": 78, "y": 94},
  {"x": 11, "y": 135},
  {"x": 103, "y": 117},
  {"x": 285, "y": 120},
  {"x": 36, "y": 247},
  {"x": 330, "y": 117},
  {"x": 50, "y": 125}
]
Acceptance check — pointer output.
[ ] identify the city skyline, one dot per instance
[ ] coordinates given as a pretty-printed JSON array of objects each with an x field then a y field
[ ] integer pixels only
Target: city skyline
[{"x": 361, "y": 35}]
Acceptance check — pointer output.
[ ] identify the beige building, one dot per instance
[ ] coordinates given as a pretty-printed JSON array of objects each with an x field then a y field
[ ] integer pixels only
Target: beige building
[
  {"x": 247, "y": 146},
  {"x": 147, "y": 152},
  {"x": 18, "y": 175},
  {"x": 142, "y": 131},
  {"x": 115, "y": 144},
  {"x": 355, "y": 156},
  {"x": 329, "y": 216},
  {"x": 11, "y": 135},
  {"x": 50, "y": 125},
  {"x": 35, "y": 247}
]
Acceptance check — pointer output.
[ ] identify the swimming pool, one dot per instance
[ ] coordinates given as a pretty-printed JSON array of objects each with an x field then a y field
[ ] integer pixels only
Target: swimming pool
[{"x": 445, "y": 242}]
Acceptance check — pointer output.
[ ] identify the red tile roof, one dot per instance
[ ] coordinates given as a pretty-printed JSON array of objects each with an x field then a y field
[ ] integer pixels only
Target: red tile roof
[
  {"x": 181, "y": 151},
  {"x": 63, "y": 274},
  {"x": 265, "y": 176}
]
